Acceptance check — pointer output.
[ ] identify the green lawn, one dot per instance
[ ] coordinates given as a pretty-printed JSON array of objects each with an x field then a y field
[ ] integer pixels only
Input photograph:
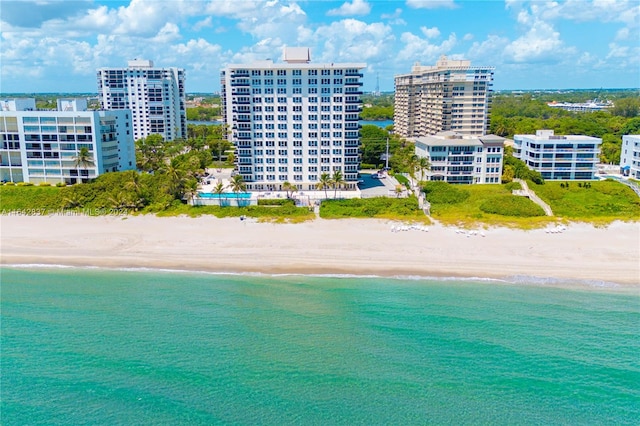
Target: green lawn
[
  {"x": 604, "y": 201},
  {"x": 492, "y": 205}
]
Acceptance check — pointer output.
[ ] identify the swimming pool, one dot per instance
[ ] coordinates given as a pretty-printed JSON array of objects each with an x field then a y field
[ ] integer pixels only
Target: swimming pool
[{"x": 225, "y": 195}]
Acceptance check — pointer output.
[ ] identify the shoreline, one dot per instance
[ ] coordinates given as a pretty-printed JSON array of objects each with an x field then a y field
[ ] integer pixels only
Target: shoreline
[
  {"x": 604, "y": 257},
  {"x": 520, "y": 280}
]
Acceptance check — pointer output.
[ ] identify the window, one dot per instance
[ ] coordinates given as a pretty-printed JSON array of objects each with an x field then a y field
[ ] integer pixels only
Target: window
[{"x": 282, "y": 72}]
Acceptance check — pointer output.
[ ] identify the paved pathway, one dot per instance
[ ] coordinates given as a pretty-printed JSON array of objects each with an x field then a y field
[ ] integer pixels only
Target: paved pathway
[{"x": 526, "y": 192}]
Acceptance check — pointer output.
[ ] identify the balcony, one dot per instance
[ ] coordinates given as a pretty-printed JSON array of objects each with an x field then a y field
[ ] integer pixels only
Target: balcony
[{"x": 352, "y": 74}]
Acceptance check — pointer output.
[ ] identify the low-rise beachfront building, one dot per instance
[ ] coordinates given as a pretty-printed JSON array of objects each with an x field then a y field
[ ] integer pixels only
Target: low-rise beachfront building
[
  {"x": 458, "y": 158},
  {"x": 43, "y": 146},
  {"x": 559, "y": 157},
  {"x": 630, "y": 156},
  {"x": 293, "y": 121}
]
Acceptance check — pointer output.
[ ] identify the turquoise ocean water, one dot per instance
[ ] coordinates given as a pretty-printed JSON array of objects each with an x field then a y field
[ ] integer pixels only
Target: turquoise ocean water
[{"x": 83, "y": 346}]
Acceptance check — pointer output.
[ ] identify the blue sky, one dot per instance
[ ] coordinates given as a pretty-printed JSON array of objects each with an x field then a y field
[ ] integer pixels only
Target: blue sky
[{"x": 56, "y": 46}]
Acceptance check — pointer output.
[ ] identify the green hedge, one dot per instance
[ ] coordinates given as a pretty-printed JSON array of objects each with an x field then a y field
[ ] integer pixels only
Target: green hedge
[
  {"x": 276, "y": 202},
  {"x": 508, "y": 205},
  {"x": 444, "y": 193},
  {"x": 381, "y": 207}
]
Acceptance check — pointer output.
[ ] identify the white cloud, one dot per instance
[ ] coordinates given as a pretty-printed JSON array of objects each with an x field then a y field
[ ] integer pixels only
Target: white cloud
[
  {"x": 395, "y": 15},
  {"x": 205, "y": 23},
  {"x": 626, "y": 11},
  {"x": 356, "y": 7},
  {"x": 489, "y": 52},
  {"x": 272, "y": 18},
  {"x": 167, "y": 34},
  {"x": 431, "y": 4},
  {"x": 351, "y": 40},
  {"x": 541, "y": 42},
  {"x": 430, "y": 32},
  {"x": 468, "y": 37},
  {"x": 419, "y": 49}
]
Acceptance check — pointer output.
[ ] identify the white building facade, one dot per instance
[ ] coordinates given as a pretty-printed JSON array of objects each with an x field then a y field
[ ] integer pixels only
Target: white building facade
[
  {"x": 450, "y": 96},
  {"x": 42, "y": 146},
  {"x": 293, "y": 121},
  {"x": 557, "y": 157},
  {"x": 630, "y": 156},
  {"x": 464, "y": 159},
  {"x": 155, "y": 97}
]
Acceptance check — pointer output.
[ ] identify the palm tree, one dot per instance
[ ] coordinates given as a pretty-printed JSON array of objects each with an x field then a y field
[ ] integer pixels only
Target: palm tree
[
  {"x": 423, "y": 166},
  {"x": 219, "y": 189},
  {"x": 83, "y": 159},
  {"x": 237, "y": 185},
  {"x": 324, "y": 183},
  {"x": 191, "y": 190},
  {"x": 290, "y": 188},
  {"x": 337, "y": 181}
]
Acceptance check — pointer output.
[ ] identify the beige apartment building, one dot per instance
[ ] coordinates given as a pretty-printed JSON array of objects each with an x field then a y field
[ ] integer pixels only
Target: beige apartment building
[{"x": 450, "y": 96}]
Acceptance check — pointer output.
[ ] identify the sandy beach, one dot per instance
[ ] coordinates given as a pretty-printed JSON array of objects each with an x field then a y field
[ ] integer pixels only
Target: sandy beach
[{"x": 581, "y": 252}]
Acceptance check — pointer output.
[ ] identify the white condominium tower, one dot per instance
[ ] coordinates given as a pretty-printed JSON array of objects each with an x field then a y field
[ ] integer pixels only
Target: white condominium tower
[
  {"x": 155, "y": 97},
  {"x": 293, "y": 121},
  {"x": 450, "y": 96}
]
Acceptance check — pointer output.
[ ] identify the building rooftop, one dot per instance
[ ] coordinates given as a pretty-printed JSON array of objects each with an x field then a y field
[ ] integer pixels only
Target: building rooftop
[{"x": 450, "y": 138}]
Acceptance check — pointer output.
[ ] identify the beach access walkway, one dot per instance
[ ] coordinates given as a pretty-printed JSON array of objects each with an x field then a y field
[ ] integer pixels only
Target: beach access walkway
[{"x": 526, "y": 192}]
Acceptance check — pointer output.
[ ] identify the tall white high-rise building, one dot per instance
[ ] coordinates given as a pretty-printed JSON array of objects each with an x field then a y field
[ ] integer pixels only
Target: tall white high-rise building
[
  {"x": 293, "y": 121},
  {"x": 450, "y": 96},
  {"x": 155, "y": 97},
  {"x": 42, "y": 146}
]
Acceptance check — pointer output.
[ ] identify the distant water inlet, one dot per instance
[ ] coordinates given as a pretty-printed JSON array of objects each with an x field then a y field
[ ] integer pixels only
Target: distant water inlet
[{"x": 119, "y": 347}]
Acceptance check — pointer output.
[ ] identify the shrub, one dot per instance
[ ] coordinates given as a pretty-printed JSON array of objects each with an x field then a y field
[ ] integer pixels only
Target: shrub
[
  {"x": 444, "y": 193},
  {"x": 276, "y": 202},
  {"x": 509, "y": 205},
  {"x": 512, "y": 186},
  {"x": 61, "y": 184},
  {"x": 367, "y": 166},
  {"x": 9, "y": 184},
  {"x": 24, "y": 184},
  {"x": 403, "y": 180},
  {"x": 44, "y": 184},
  {"x": 380, "y": 207}
]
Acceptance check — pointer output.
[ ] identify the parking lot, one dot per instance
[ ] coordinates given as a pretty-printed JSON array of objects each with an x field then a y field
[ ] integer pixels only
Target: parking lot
[{"x": 371, "y": 187}]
